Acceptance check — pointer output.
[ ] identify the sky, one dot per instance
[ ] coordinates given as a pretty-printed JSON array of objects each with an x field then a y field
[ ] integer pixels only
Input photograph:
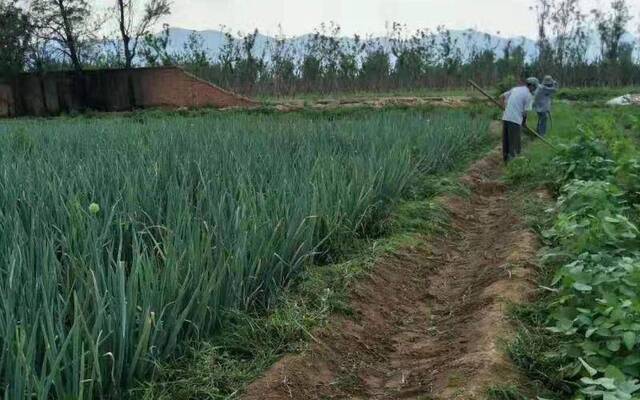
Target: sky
[{"x": 509, "y": 17}]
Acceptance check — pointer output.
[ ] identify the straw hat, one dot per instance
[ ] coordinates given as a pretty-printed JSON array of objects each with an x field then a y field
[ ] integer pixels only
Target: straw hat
[
  {"x": 548, "y": 81},
  {"x": 533, "y": 81}
]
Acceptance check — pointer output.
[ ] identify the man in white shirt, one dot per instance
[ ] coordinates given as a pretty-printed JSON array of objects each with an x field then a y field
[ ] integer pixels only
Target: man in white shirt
[{"x": 517, "y": 103}]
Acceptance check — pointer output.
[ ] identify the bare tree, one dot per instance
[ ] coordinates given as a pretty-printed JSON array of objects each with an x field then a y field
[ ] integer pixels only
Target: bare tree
[
  {"x": 611, "y": 27},
  {"x": 68, "y": 24},
  {"x": 638, "y": 40},
  {"x": 568, "y": 31},
  {"x": 194, "y": 53},
  {"x": 133, "y": 28},
  {"x": 155, "y": 48},
  {"x": 543, "y": 10}
]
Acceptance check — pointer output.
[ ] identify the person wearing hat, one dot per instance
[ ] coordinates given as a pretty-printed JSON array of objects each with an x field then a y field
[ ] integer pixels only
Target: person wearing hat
[
  {"x": 517, "y": 103},
  {"x": 542, "y": 102}
]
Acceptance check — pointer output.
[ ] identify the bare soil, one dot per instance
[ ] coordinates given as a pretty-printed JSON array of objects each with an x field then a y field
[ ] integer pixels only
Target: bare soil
[
  {"x": 429, "y": 320},
  {"x": 378, "y": 103}
]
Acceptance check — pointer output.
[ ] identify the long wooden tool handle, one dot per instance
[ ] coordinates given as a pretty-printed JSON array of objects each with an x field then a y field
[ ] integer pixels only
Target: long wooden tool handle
[
  {"x": 496, "y": 102},
  {"x": 487, "y": 95}
]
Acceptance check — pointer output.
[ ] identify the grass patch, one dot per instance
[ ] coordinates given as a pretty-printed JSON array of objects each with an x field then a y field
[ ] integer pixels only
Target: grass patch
[
  {"x": 505, "y": 392},
  {"x": 583, "y": 94},
  {"x": 251, "y": 343},
  {"x": 588, "y": 94},
  {"x": 369, "y": 95},
  {"x": 538, "y": 353}
]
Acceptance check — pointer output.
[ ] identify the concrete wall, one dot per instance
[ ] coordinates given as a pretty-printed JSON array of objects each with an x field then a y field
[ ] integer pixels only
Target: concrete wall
[{"x": 112, "y": 90}]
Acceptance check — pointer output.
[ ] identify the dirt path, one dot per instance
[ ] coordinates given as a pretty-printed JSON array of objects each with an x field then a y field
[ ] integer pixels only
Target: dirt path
[
  {"x": 378, "y": 102},
  {"x": 429, "y": 320}
]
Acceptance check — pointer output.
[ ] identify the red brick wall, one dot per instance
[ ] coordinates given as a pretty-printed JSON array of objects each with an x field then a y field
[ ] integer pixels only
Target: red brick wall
[
  {"x": 109, "y": 90},
  {"x": 28, "y": 95},
  {"x": 177, "y": 88},
  {"x": 6, "y": 101}
]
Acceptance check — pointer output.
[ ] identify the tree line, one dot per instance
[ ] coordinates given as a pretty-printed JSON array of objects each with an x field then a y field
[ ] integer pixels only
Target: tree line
[
  {"x": 45, "y": 35},
  {"x": 49, "y": 35}
]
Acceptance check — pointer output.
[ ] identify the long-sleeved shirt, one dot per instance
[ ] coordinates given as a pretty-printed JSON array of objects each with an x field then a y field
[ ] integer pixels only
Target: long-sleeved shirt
[
  {"x": 518, "y": 102},
  {"x": 542, "y": 97}
]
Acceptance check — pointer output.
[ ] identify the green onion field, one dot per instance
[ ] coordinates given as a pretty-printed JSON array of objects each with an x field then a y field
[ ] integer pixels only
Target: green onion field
[{"x": 121, "y": 239}]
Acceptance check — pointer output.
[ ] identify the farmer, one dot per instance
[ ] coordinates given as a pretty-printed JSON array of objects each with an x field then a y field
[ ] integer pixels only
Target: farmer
[
  {"x": 517, "y": 103},
  {"x": 542, "y": 102}
]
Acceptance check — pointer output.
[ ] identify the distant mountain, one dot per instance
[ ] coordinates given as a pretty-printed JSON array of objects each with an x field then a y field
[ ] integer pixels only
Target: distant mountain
[
  {"x": 213, "y": 41},
  {"x": 467, "y": 41}
]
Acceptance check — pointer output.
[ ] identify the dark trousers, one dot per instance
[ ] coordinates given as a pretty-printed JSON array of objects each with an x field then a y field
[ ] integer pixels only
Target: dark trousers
[
  {"x": 511, "y": 140},
  {"x": 543, "y": 120}
]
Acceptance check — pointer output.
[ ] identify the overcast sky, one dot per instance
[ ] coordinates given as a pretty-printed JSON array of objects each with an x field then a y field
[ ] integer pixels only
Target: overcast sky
[{"x": 509, "y": 17}]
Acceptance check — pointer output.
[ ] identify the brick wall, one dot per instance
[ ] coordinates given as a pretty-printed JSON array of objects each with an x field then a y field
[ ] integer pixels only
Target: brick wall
[
  {"x": 6, "y": 101},
  {"x": 177, "y": 88},
  {"x": 115, "y": 90}
]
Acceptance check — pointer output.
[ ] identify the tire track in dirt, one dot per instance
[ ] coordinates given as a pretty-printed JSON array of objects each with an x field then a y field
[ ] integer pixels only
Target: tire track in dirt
[{"x": 428, "y": 320}]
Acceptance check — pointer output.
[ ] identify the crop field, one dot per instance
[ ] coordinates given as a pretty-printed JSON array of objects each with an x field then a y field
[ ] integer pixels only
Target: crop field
[
  {"x": 580, "y": 339},
  {"x": 123, "y": 238}
]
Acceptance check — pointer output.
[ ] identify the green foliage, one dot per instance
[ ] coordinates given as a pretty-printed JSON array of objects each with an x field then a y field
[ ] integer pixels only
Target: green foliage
[
  {"x": 591, "y": 218},
  {"x": 21, "y": 142},
  {"x": 195, "y": 217},
  {"x": 419, "y": 216},
  {"x": 219, "y": 367},
  {"x": 154, "y": 48},
  {"x": 613, "y": 388},
  {"x": 539, "y": 355},
  {"x": 15, "y": 33},
  {"x": 302, "y": 308},
  {"x": 628, "y": 178},
  {"x": 598, "y": 93},
  {"x": 591, "y": 317},
  {"x": 588, "y": 158},
  {"x": 507, "y": 83},
  {"x": 612, "y": 25},
  {"x": 522, "y": 171},
  {"x": 504, "y": 393},
  {"x": 70, "y": 24},
  {"x": 596, "y": 304}
]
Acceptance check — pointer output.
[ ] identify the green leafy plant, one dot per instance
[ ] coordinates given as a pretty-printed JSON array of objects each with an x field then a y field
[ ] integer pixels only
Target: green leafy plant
[
  {"x": 506, "y": 83},
  {"x": 587, "y": 159},
  {"x": 610, "y": 388},
  {"x": 596, "y": 304},
  {"x": 121, "y": 242},
  {"x": 628, "y": 178},
  {"x": 591, "y": 217},
  {"x": 593, "y": 313}
]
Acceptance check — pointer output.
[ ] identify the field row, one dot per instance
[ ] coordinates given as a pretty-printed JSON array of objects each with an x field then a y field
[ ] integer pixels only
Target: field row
[{"x": 122, "y": 238}]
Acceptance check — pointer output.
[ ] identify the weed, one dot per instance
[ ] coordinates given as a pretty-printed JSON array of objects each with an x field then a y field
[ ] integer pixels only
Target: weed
[
  {"x": 537, "y": 353},
  {"x": 506, "y": 392},
  {"x": 348, "y": 382}
]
